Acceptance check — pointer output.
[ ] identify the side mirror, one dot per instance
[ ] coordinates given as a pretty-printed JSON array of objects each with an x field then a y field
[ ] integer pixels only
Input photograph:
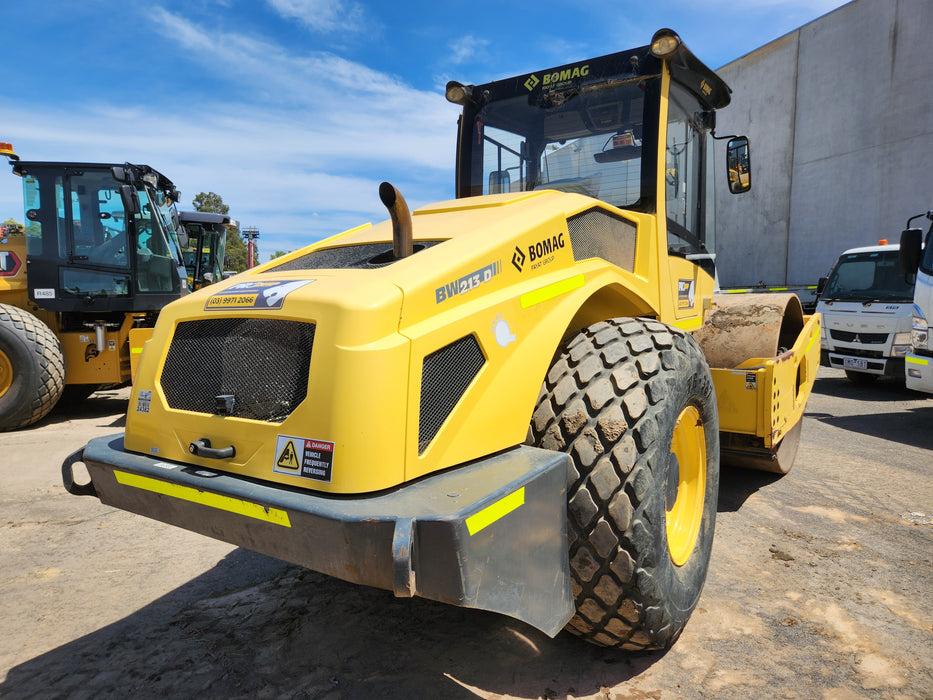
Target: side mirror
[
  {"x": 821, "y": 285},
  {"x": 739, "y": 165},
  {"x": 911, "y": 244},
  {"x": 499, "y": 181},
  {"x": 130, "y": 198}
]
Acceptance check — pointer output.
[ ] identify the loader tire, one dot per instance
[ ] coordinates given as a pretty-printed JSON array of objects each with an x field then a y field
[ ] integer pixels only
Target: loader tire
[
  {"x": 631, "y": 401},
  {"x": 32, "y": 368}
]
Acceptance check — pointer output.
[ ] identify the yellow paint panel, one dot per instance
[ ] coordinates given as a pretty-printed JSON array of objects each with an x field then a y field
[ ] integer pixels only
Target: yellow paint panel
[
  {"x": 550, "y": 291},
  {"x": 499, "y": 509},
  {"x": 212, "y": 500},
  {"x": 690, "y": 324}
]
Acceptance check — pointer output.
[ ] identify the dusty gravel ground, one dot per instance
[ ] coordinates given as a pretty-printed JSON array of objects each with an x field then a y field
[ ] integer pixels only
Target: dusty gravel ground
[{"x": 821, "y": 586}]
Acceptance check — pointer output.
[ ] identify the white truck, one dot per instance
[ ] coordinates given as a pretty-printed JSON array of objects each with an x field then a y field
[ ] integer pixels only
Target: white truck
[
  {"x": 867, "y": 305},
  {"x": 917, "y": 259}
]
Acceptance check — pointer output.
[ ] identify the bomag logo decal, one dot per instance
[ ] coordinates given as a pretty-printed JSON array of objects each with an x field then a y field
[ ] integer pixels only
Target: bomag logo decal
[
  {"x": 558, "y": 78},
  {"x": 705, "y": 88},
  {"x": 539, "y": 254},
  {"x": 467, "y": 282}
]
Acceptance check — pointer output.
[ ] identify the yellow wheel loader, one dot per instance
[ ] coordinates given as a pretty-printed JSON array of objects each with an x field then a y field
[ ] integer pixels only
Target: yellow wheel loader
[
  {"x": 82, "y": 283},
  {"x": 503, "y": 401}
]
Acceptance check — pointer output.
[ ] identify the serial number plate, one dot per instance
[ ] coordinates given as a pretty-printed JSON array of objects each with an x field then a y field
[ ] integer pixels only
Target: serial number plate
[{"x": 854, "y": 363}]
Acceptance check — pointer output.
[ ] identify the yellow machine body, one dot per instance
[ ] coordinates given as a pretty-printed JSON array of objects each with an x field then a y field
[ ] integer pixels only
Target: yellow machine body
[
  {"x": 374, "y": 330},
  {"x": 492, "y": 401}
]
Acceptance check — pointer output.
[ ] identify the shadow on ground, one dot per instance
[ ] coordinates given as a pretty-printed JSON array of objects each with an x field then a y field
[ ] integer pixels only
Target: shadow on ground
[
  {"x": 255, "y": 626},
  {"x": 103, "y": 404},
  {"x": 873, "y": 419},
  {"x": 736, "y": 485}
]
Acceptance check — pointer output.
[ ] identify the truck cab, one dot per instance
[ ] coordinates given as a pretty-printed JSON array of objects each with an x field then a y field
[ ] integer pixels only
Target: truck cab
[
  {"x": 866, "y": 305},
  {"x": 916, "y": 257}
]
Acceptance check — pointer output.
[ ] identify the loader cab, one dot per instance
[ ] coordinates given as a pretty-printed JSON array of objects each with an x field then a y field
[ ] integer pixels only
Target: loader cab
[
  {"x": 603, "y": 128},
  {"x": 206, "y": 245},
  {"x": 101, "y": 237}
]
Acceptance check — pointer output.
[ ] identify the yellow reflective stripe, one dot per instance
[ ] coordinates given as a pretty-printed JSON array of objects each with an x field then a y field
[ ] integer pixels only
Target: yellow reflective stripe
[
  {"x": 917, "y": 361},
  {"x": 688, "y": 325},
  {"x": 551, "y": 291},
  {"x": 212, "y": 500},
  {"x": 136, "y": 351},
  {"x": 736, "y": 291},
  {"x": 810, "y": 344},
  {"x": 499, "y": 509}
]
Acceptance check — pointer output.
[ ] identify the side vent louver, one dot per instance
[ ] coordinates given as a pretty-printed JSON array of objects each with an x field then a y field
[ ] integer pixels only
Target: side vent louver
[
  {"x": 598, "y": 234},
  {"x": 445, "y": 376},
  {"x": 262, "y": 364}
]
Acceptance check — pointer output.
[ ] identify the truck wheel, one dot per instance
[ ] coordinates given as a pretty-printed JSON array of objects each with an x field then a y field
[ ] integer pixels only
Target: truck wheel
[
  {"x": 632, "y": 402},
  {"x": 32, "y": 368}
]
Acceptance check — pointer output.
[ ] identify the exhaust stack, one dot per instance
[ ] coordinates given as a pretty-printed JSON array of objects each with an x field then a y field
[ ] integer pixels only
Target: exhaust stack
[{"x": 393, "y": 200}]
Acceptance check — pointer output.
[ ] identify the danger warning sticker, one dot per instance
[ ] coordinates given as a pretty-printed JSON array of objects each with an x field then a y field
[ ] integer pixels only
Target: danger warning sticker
[{"x": 298, "y": 456}]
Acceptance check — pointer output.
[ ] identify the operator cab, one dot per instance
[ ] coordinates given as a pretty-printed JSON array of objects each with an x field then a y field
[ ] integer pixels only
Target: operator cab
[
  {"x": 595, "y": 128},
  {"x": 206, "y": 247},
  {"x": 101, "y": 237}
]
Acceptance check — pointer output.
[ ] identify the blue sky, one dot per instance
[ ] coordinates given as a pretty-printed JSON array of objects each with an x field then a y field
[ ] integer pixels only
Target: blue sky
[{"x": 295, "y": 110}]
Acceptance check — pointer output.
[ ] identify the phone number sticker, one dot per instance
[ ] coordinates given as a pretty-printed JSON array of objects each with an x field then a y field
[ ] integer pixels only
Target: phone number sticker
[{"x": 254, "y": 295}]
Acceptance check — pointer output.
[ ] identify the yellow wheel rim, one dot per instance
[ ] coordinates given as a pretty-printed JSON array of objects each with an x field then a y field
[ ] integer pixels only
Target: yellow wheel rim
[
  {"x": 686, "y": 491},
  {"x": 6, "y": 373}
]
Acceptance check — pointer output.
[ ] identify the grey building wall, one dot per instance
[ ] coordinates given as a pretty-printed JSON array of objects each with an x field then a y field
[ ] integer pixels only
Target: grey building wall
[{"x": 840, "y": 117}]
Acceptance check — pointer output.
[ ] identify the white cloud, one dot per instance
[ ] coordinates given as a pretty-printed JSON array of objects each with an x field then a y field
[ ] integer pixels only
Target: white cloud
[
  {"x": 466, "y": 48},
  {"x": 322, "y": 15},
  {"x": 295, "y": 144}
]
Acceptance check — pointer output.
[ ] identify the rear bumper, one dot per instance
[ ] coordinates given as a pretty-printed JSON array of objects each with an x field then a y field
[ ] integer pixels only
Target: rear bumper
[{"x": 491, "y": 534}]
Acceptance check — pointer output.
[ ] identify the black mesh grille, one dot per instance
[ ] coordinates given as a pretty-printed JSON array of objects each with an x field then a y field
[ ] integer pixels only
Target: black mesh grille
[
  {"x": 599, "y": 234},
  {"x": 365, "y": 256},
  {"x": 262, "y": 363},
  {"x": 867, "y": 338},
  {"x": 446, "y": 374}
]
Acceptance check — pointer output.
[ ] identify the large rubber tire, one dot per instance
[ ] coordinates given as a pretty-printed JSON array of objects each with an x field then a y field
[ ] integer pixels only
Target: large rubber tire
[
  {"x": 32, "y": 368},
  {"x": 619, "y": 397}
]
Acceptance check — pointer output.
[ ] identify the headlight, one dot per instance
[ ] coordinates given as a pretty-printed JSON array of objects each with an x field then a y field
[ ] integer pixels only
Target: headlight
[
  {"x": 901, "y": 343},
  {"x": 920, "y": 334}
]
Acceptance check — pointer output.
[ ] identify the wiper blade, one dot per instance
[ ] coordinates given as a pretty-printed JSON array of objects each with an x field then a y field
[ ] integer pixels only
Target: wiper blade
[{"x": 888, "y": 297}]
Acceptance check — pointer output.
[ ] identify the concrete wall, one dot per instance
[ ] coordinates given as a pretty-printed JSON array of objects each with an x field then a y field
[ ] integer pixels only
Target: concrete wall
[{"x": 840, "y": 117}]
